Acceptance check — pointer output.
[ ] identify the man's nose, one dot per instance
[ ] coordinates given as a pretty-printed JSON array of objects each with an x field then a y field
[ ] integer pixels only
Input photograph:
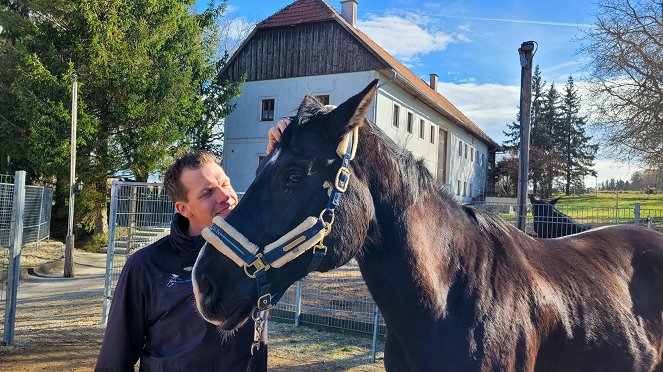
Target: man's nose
[{"x": 222, "y": 195}]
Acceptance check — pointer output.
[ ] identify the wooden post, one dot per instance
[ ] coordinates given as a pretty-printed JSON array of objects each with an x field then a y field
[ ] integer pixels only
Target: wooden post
[
  {"x": 526, "y": 53},
  {"x": 69, "y": 248}
]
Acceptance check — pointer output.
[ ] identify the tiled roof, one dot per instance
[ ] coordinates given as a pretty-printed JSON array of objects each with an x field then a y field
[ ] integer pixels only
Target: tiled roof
[
  {"x": 299, "y": 12},
  {"x": 311, "y": 11}
]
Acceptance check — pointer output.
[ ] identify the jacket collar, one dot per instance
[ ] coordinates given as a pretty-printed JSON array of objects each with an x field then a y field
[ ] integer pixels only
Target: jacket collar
[{"x": 183, "y": 244}]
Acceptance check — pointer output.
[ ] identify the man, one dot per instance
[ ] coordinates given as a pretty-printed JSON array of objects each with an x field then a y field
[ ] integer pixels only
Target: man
[{"x": 153, "y": 316}]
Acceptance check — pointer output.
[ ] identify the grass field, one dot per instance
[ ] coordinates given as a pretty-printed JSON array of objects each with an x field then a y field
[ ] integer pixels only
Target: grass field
[{"x": 604, "y": 199}]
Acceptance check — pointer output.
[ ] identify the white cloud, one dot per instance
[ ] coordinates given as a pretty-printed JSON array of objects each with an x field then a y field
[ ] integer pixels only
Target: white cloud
[
  {"x": 406, "y": 37},
  {"x": 490, "y": 106}
]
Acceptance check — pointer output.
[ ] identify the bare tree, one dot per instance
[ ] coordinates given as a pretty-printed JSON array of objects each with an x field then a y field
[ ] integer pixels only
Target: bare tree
[{"x": 625, "y": 50}]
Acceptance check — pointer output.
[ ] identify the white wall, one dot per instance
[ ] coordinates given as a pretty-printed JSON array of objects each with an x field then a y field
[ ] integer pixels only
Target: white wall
[
  {"x": 470, "y": 173},
  {"x": 246, "y": 135}
]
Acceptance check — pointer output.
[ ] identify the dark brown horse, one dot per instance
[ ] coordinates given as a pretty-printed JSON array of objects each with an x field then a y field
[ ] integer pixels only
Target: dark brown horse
[
  {"x": 550, "y": 222},
  {"x": 460, "y": 290}
]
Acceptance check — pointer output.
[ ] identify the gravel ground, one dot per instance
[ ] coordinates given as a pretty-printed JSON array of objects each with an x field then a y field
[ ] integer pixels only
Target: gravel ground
[{"x": 58, "y": 328}]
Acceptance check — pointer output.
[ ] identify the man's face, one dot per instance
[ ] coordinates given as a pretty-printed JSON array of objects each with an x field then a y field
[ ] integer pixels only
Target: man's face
[{"x": 209, "y": 194}]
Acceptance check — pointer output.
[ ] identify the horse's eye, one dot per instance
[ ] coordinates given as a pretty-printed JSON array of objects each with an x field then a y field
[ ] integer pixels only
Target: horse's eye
[{"x": 294, "y": 177}]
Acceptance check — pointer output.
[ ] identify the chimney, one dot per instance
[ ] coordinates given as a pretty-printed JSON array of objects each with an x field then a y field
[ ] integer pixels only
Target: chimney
[
  {"x": 349, "y": 11},
  {"x": 433, "y": 82}
]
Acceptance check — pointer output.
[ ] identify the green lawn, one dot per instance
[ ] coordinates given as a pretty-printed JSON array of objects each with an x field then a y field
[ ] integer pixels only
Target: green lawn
[
  {"x": 603, "y": 208},
  {"x": 626, "y": 200}
]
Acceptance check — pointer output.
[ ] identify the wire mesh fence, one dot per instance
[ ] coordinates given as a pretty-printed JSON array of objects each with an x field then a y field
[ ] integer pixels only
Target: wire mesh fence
[
  {"x": 36, "y": 220},
  {"x": 584, "y": 216},
  {"x": 140, "y": 214}
]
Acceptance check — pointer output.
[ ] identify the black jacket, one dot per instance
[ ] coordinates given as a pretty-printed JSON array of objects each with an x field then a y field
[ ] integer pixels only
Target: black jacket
[{"x": 153, "y": 315}]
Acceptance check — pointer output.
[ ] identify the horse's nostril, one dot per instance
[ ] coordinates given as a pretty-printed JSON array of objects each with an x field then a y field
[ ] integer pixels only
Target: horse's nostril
[{"x": 205, "y": 286}]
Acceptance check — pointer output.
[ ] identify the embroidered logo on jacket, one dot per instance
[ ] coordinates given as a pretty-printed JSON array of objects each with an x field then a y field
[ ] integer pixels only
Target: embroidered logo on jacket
[{"x": 176, "y": 279}]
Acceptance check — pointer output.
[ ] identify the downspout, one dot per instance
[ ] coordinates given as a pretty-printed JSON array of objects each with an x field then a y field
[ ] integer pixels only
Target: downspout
[{"x": 375, "y": 101}]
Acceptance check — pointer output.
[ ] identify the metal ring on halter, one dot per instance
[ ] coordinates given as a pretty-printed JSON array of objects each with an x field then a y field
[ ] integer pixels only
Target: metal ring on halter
[
  {"x": 258, "y": 264},
  {"x": 331, "y": 219}
]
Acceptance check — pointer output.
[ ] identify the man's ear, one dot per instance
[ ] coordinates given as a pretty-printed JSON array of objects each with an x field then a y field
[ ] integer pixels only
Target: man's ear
[
  {"x": 183, "y": 209},
  {"x": 351, "y": 113}
]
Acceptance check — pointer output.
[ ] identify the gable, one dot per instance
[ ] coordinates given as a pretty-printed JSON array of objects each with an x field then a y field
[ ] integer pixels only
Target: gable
[{"x": 309, "y": 49}]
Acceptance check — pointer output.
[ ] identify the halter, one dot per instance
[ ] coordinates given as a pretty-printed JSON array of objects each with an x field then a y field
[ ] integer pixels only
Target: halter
[{"x": 308, "y": 234}]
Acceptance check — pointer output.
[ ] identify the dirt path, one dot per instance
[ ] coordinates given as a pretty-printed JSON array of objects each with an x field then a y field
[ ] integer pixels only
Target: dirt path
[{"x": 58, "y": 328}]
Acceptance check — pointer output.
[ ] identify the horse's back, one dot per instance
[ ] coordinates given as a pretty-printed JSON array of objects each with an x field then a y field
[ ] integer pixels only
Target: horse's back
[{"x": 616, "y": 273}]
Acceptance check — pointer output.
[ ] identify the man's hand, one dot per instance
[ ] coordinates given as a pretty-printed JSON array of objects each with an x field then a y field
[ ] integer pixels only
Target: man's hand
[{"x": 275, "y": 132}]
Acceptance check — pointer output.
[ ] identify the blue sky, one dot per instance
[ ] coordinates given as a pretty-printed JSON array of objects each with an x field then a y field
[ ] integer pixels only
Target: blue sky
[{"x": 472, "y": 46}]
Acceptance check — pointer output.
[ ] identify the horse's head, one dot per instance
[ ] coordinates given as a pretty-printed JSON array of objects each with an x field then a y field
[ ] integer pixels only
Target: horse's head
[
  {"x": 542, "y": 208},
  {"x": 281, "y": 214}
]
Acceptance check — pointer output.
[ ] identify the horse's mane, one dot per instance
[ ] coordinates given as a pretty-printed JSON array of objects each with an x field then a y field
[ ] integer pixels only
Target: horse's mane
[{"x": 415, "y": 178}]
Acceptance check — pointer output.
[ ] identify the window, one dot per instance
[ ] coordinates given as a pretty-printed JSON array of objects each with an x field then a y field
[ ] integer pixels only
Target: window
[
  {"x": 470, "y": 189},
  {"x": 323, "y": 98},
  {"x": 464, "y": 188},
  {"x": 422, "y": 128},
  {"x": 483, "y": 156},
  {"x": 472, "y": 156},
  {"x": 397, "y": 114},
  {"x": 460, "y": 148},
  {"x": 466, "y": 151},
  {"x": 267, "y": 110},
  {"x": 477, "y": 156},
  {"x": 410, "y": 122},
  {"x": 458, "y": 188},
  {"x": 432, "y": 134}
]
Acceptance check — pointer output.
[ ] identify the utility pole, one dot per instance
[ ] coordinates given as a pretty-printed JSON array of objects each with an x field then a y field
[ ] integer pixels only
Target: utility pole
[
  {"x": 526, "y": 52},
  {"x": 69, "y": 248}
]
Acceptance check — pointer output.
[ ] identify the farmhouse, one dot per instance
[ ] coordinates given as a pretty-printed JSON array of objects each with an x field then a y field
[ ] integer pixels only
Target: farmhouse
[{"x": 309, "y": 48}]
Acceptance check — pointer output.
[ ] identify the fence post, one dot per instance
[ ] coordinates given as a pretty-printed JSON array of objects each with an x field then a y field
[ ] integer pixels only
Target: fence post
[
  {"x": 376, "y": 323},
  {"x": 298, "y": 302},
  {"x": 41, "y": 212},
  {"x": 110, "y": 251},
  {"x": 15, "y": 243},
  {"x": 636, "y": 214}
]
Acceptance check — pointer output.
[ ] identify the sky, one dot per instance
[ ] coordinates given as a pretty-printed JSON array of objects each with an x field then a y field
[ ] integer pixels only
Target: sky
[{"x": 473, "y": 46}]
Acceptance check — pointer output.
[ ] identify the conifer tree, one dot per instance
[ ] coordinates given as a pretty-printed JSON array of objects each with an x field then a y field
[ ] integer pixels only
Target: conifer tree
[{"x": 577, "y": 152}]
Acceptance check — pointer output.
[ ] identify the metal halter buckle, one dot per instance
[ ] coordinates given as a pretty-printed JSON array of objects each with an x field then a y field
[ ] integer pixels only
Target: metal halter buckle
[
  {"x": 321, "y": 248},
  {"x": 264, "y": 301},
  {"x": 342, "y": 179},
  {"x": 258, "y": 264}
]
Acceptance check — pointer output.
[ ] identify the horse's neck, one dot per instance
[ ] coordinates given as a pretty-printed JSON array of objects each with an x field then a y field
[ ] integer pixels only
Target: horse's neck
[{"x": 407, "y": 257}]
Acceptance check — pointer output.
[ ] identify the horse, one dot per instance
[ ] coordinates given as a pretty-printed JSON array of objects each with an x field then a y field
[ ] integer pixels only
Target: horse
[
  {"x": 459, "y": 289},
  {"x": 550, "y": 222}
]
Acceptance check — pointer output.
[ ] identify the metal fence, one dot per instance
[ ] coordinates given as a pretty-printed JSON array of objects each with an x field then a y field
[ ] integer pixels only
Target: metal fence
[
  {"x": 32, "y": 214},
  {"x": 140, "y": 214},
  {"x": 585, "y": 215}
]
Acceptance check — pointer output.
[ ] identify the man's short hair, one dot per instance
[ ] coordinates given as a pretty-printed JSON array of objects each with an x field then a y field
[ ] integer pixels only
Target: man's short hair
[{"x": 191, "y": 160}]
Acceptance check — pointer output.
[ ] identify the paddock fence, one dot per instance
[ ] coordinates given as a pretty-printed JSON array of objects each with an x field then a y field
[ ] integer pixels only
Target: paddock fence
[
  {"x": 140, "y": 213},
  {"x": 587, "y": 216},
  {"x": 25, "y": 217}
]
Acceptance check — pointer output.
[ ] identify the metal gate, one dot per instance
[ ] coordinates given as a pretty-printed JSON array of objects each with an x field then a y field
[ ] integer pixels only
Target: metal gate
[{"x": 140, "y": 214}]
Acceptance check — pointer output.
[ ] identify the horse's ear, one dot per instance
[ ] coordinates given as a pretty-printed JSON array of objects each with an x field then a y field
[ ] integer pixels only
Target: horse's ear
[
  {"x": 554, "y": 200},
  {"x": 351, "y": 113}
]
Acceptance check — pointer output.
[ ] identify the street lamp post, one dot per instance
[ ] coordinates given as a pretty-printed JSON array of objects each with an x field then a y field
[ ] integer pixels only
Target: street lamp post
[{"x": 69, "y": 248}]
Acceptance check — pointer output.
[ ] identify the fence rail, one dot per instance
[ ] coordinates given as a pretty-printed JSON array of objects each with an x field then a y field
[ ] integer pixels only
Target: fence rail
[{"x": 338, "y": 299}]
